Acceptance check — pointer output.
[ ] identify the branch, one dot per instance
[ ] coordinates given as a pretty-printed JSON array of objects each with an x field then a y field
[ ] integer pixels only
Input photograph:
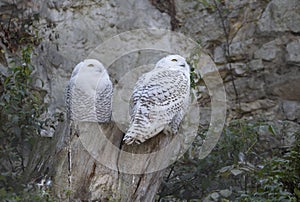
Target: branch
[{"x": 227, "y": 52}]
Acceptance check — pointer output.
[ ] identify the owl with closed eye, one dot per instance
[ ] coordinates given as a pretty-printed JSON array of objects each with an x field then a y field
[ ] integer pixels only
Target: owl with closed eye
[{"x": 89, "y": 93}]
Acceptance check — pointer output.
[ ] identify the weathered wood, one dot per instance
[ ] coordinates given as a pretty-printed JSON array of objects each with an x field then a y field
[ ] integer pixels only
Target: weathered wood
[
  {"x": 143, "y": 186},
  {"x": 88, "y": 162},
  {"x": 96, "y": 169},
  {"x": 92, "y": 164}
]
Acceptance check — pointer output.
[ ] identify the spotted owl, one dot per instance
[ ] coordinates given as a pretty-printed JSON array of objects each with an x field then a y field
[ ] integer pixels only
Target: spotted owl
[
  {"x": 159, "y": 100},
  {"x": 89, "y": 93}
]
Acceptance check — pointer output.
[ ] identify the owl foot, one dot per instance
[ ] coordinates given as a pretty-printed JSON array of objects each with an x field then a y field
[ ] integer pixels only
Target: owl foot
[{"x": 129, "y": 139}]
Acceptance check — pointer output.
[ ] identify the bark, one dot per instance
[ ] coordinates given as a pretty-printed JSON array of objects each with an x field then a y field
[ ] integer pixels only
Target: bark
[
  {"x": 93, "y": 165},
  {"x": 88, "y": 161}
]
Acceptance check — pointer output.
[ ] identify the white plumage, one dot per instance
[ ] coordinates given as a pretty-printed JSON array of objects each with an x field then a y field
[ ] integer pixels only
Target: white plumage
[
  {"x": 89, "y": 93},
  {"x": 159, "y": 100}
]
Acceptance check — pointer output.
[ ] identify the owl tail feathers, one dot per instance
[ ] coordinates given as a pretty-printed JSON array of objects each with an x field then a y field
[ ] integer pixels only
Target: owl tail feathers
[{"x": 134, "y": 135}]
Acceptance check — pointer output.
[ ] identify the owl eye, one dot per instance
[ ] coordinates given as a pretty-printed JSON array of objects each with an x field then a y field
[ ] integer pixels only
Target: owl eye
[
  {"x": 90, "y": 65},
  {"x": 174, "y": 60}
]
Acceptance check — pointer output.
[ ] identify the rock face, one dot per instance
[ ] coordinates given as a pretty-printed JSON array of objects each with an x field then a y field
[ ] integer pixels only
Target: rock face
[
  {"x": 293, "y": 52},
  {"x": 280, "y": 16},
  {"x": 256, "y": 45},
  {"x": 72, "y": 29},
  {"x": 262, "y": 41}
]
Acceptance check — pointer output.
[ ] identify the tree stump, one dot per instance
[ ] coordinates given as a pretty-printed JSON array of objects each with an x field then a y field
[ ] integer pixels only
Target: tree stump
[{"x": 91, "y": 166}]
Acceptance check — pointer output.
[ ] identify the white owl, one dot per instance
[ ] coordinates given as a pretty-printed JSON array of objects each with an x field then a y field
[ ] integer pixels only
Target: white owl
[
  {"x": 159, "y": 100},
  {"x": 89, "y": 93}
]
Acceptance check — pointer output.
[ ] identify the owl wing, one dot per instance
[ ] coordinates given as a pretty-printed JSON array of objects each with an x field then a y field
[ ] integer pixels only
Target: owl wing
[
  {"x": 104, "y": 101},
  {"x": 135, "y": 95},
  {"x": 77, "y": 102},
  {"x": 68, "y": 98},
  {"x": 69, "y": 89}
]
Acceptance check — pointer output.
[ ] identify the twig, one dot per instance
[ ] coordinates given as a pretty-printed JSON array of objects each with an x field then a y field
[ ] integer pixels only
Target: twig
[
  {"x": 168, "y": 177},
  {"x": 227, "y": 52}
]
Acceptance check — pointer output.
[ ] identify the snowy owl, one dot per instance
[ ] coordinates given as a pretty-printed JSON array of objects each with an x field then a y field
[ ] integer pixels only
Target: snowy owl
[
  {"x": 89, "y": 93},
  {"x": 159, "y": 100}
]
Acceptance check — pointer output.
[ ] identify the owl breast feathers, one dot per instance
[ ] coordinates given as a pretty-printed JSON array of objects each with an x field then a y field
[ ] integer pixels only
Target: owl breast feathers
[
  {"x": 159, "y": 100},
  {"x": 89, "y": 93}
]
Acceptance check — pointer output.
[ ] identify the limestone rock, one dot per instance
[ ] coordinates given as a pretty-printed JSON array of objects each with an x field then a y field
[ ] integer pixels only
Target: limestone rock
[
  {"x": 257, "y": 105},
  {"x": 197, "y": 22},
  {"x": 291, "y": 110},
  {"x": 226, "y": 193},
  {"x": 281, "y": 16},
  {"x": 240, "y": 50},
  {"x": 256, "y": 64},
  {"x": 239, "y": 68},
  {"x": 219, "y": 56},
  {"x": 140, "y": 14},
  {"x": 286, "y": 88},
  {"x": 268, "y": 51},
  {"x": 293, "y": 52}
]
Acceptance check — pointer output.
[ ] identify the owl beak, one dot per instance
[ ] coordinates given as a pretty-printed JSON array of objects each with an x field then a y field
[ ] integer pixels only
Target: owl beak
[{"x": 182, "y": 65}]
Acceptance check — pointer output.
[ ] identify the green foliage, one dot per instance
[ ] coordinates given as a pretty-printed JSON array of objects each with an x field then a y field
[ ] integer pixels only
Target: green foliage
[
  {"x": 193, "y": 62},
  {"x": 21, "y": 106},
  {"x": 194, "y": 77},
  {"x": 208, "y": 4},
  {"x": 27, "y": 194},
  {"x": 279, "y": 179},
  {"x": 240, "y": 163},
  {"x": 18, "y": 31}
]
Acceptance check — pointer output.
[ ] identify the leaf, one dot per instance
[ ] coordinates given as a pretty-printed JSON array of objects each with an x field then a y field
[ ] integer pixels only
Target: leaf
[
  {"x": 236, "y": 172},
  {"x": 15, "y": 119},
  {"x": 297, "y": 192},
  {"x": 215, "y": 196},
  {"x": 17, "y": 131},
  {"x": 226, "y": 193},
  {"x": 225, "y": 169},
  {"x": 272, "y": 130}
]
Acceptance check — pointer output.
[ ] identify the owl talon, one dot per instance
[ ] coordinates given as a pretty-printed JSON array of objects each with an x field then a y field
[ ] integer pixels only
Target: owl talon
[{"x": 130, "y": 140}]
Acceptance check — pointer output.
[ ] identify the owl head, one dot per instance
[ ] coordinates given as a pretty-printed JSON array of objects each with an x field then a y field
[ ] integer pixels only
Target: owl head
[
  {"x": 93, "y": 65},
  {"x": 175, "y": 62}
]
